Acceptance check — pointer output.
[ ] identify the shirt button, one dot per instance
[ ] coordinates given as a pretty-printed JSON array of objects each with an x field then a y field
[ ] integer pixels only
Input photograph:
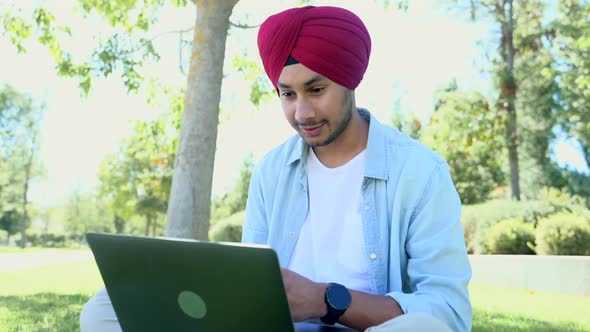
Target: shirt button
[
  {"x": 291, "y": 234},
  {"x": 373, "y": 256},
  {"x": 367, "y": 207}
]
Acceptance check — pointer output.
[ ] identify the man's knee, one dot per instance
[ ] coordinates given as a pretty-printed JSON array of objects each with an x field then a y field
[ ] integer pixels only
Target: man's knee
[
  {"x": 411, "y": 322},
  {"x": 98, "y": 314}
]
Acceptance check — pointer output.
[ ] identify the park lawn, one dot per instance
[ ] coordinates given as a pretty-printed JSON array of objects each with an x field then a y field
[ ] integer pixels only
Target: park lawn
[
  {"x": 50, "y": 299},
  {"x": 506, "y": 309},
  {"x": 47, "y": 298}
]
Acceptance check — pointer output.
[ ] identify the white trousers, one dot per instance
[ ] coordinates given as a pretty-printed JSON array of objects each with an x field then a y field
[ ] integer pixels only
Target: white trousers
[{"x": 98, "y": 316}]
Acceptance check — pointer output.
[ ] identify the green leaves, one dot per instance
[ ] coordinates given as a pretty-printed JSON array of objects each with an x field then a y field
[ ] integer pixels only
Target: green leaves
[
  {"x": 466, "y": 133},
  {"x": 20, "y": 117},
  {"x": 261, "y": 89},
  {"x": 125, "y": 50},
  {"x": 137, "y": 179},
  {"x": 573, "y": 53},
  {"x": 129, "y": 14},
  {"x": 17, "y": 29}
]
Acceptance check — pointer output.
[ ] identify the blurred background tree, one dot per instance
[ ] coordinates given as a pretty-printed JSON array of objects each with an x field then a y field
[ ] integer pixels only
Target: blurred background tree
[{"x": 20, "y": 120}]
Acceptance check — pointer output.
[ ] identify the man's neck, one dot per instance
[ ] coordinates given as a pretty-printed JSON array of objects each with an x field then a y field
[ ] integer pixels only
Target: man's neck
[{"x": 348, "y": 145}]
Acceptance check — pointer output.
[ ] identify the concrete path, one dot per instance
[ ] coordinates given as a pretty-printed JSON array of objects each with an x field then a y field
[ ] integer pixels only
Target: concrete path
[{"x": 22, "y": 261}]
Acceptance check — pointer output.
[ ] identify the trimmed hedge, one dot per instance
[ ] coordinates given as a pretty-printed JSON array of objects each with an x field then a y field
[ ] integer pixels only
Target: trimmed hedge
[
  {"x": 46, "y": 240},
  {"x": 511, "y": 236},
  {"x": 478, "y": 218},
  {"x": 563, "y": 233}
]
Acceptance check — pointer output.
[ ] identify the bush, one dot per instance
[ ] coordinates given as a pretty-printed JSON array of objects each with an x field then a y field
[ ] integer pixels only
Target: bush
[
  {"x": 561, "y": 200},
  {"x": 563, "y": 233},
  {"x": 228, "y": 229},
  {"x": 510, "y": 236},
  {"x": 478, "y": 218},
  {"x": 76, "y": 238},
  {"x": 46, "y": 240}
]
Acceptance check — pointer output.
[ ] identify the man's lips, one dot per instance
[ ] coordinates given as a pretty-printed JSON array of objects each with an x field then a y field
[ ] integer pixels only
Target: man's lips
[{"x": 312, "y": 130}]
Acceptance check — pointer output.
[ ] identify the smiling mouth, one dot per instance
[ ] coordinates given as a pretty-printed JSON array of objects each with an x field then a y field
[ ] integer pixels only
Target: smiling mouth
[{"x": 312, "y": 130}]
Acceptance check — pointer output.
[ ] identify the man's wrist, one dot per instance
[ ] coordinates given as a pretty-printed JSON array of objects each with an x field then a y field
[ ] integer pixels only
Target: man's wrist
[{"x": 320, "y": 303}]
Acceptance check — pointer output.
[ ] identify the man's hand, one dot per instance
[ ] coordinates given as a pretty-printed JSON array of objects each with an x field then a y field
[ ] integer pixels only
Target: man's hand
[{"x": 306, "y": 298}]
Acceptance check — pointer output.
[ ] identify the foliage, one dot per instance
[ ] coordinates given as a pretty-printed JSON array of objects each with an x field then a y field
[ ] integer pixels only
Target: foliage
[
  {"x": 562, "y": 200},
  {"x": 574, "y": 182},
  {"x": 467, "y": 134},
  {"x": 86, "y": 212},
  {"x": 137, "y": 179},
  {"x": 228, "y": 229},
  {"x": 563, "y": 233},
  {"x": 47, "y": 240},
  {"x": 235, "y": 201},
  {"x": 9, "y": 222},
  {"x": 549, "y": 80},
  {"x": 526, "y": 83},
  {"x": 261, "y": 89},
  {"x": 478, "y": 218},
  {"x": 510, "y": 236},
  {"x": 407, "y": 123},
  {"x": 20, "y": 117},
  {"x": 572, "y": 39},
  {"x": 535, "y": 103},
  {"x": 127, "y": 48}
]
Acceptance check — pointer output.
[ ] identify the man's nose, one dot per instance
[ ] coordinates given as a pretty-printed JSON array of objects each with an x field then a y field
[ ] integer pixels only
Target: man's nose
[{"x": 304, "y": 110}]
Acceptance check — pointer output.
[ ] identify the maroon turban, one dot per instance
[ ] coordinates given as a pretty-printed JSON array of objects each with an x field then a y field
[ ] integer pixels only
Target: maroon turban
[{"x": 331, "y": 41}]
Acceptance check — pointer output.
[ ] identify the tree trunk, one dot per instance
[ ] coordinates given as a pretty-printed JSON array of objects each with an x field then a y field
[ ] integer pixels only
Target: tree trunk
[
  {"x": 190, "y": 196},
  {"x": 148, "y": 223},
  {"x": 508, "y": 95},
  {"x": 28, "y": 167},
  {"x": 586, "y": 150}
]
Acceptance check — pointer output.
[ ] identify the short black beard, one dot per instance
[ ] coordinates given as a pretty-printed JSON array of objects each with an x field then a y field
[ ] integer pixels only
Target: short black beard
[
  {"x": 348, "y": 105},
  {"x": 338, "y": 131}
]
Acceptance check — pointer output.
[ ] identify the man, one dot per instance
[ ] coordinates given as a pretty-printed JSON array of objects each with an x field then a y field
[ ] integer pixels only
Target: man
[
  {"x": 359, "y": 214},
  {"x": 365, "y": 220}
]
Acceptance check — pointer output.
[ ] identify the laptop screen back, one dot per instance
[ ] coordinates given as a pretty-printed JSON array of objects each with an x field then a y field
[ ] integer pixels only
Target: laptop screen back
[{"x": 158, "y": 284}]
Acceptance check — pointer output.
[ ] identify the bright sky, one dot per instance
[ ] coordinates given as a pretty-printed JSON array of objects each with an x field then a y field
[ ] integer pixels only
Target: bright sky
[{"x": 413, "y": 54}]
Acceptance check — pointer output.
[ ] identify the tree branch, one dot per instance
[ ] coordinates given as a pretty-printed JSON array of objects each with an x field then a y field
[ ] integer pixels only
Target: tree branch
[
  {"x": 243, "y": 26},
  {"x": 173, "y": 31}
]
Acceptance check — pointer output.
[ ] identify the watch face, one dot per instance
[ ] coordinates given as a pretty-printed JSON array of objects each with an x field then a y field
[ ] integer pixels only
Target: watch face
[{"x": 338, "y": 297}]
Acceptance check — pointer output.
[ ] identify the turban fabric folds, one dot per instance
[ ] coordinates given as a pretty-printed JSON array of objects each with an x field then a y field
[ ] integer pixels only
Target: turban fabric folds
[{"x": 331, "y": 41}]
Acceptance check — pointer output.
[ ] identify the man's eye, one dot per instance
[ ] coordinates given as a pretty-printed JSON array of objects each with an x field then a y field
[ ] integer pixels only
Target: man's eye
[
  {"x": 287, "y": 94},
  {"x": 317, "y": 90}
]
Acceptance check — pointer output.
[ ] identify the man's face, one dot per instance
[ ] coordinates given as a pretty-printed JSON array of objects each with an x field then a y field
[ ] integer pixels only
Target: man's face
[{"x": 316, "y": 107}]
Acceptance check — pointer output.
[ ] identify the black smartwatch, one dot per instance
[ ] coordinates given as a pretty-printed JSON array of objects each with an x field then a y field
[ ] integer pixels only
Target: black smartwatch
[{"x": 337, "y": 299}]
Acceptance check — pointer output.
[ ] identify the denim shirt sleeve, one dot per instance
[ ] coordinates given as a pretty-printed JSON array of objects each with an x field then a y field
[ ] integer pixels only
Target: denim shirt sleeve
[
  {"x": 438, "y": 270},
  {"x": 255, "y": 229}
]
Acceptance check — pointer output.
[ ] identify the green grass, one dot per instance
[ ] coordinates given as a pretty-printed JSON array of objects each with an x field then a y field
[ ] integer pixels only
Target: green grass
[
  {"x": 71, "y": 278},
  {"x": 41, "y": 312},
  {"x": 50, "y": 299},
  {"x": 506, "y": 309}
]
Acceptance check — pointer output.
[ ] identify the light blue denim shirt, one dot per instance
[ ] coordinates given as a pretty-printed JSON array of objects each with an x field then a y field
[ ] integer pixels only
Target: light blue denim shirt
[{"x": 411, "y": 220}]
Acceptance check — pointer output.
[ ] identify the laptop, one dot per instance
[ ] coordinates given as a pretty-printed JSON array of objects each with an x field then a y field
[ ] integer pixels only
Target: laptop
[{"x": 168, "y": 284}]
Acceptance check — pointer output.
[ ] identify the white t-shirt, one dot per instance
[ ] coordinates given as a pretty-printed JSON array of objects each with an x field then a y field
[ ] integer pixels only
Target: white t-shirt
[{"x": 331, "y": 245}]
